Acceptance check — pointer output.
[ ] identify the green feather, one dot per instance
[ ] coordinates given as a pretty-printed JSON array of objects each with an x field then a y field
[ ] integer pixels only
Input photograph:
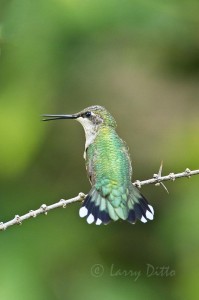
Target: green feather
[{"x": 112, "y": 212}]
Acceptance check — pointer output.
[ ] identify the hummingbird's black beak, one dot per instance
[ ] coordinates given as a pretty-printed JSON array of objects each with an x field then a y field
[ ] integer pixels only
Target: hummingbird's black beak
[{"x": 59, "y": 117}]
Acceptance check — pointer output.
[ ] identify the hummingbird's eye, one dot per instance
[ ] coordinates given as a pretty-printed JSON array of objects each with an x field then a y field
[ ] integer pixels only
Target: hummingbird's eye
[{"x": 87, "y": 114}]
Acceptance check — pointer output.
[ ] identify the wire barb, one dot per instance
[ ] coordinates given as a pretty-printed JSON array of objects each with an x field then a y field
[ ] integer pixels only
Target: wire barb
[
  {"x": 18, "y": 220},
  {"x": 2, "y": 226},
  {"x": 137, "y": 183},
  {"x": 44, "y": 208},
  {"x": 188, "y": 171}
]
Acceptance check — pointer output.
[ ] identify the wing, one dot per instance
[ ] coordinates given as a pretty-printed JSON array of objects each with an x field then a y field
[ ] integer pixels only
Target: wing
[{"x": 90, "y": 158}]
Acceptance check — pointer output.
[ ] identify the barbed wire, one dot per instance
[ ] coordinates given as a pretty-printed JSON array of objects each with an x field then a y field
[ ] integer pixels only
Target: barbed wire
[{"x": 44, "y": 209}]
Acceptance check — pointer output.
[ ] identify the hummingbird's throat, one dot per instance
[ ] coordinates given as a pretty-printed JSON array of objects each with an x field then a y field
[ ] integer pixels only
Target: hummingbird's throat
[{"x": 91, "y": 130}]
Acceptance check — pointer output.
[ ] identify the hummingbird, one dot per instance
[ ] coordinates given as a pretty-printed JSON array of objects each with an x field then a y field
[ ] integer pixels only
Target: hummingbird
[{"x": 108, "y": 164}]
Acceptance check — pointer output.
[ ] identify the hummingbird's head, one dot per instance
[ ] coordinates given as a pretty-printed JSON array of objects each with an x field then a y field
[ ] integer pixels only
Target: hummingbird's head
[
  {"x": 92, "y": 119},
  {"x": 92, "y": 116},
  {"x": 96, "y": 115}
]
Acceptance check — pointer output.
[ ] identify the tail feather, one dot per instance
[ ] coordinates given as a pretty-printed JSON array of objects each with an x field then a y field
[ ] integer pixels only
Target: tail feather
[
  {"x": 131, "y": 216},
  {"x": 139, "y": 212},
  {"x": 104, "y": 217},
  {"x": 112, "y": 212},
  {"x": 99, "y": 210},
  {"x": 122, "y": 212},
  {"x": 95, "y": 209},
  {"x": 139, "y": 207}
]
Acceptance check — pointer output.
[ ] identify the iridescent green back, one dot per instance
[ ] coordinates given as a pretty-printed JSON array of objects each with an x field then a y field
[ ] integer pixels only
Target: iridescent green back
[{"x": 108, "y": 158}]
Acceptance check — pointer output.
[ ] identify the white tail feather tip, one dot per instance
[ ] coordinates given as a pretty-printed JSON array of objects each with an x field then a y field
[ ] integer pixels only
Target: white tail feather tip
[
  {"x": 143, "y": 219},
  {"x": 149, "y": 215},
  {"x": 151, "y": 208},
  {"x": 83, "y": 212},
  {"x": 98, "y": 222},
  {"x": 90, "y": 219}
]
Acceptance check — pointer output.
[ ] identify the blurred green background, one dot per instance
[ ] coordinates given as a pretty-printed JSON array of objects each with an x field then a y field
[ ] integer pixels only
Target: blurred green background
[{"x": 139, "y": 59}]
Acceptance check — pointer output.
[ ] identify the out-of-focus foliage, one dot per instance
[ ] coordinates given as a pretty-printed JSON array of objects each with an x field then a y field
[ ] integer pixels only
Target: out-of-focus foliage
[{"x": 140, "y": 59}]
